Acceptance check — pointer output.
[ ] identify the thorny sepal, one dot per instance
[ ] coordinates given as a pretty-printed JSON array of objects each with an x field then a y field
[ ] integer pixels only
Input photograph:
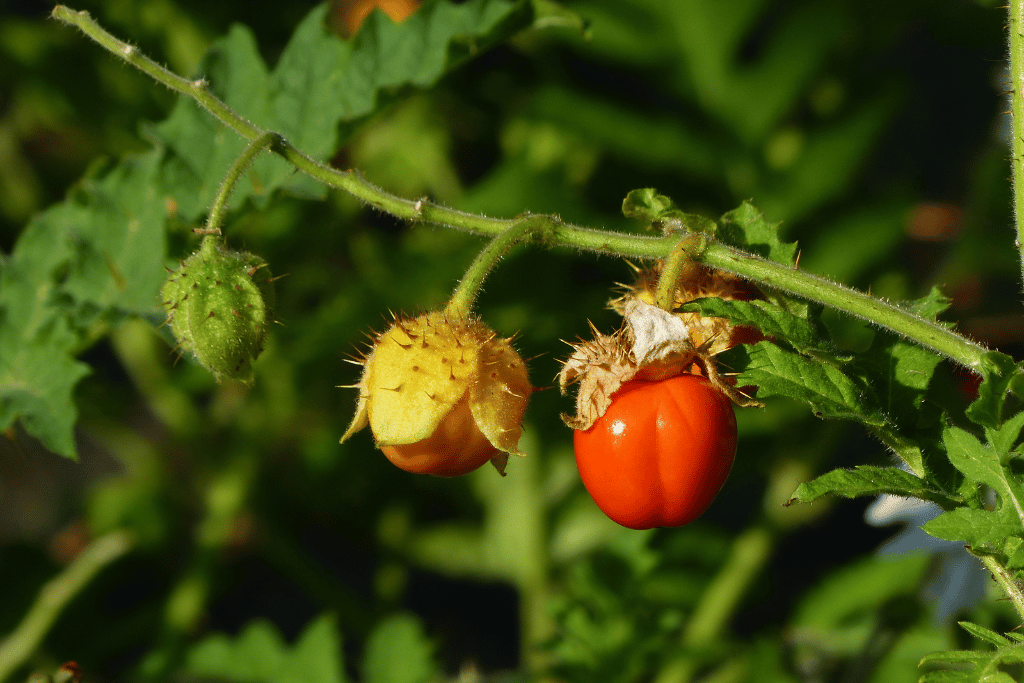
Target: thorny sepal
[
  {"x": 423, "y": 375},
  {"x": 654, "y": 344},
  {"x": 219, "y": 305}
]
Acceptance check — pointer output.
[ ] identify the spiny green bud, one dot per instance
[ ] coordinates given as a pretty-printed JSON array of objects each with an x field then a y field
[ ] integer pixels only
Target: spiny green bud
[{"x": 219, "y": 304}]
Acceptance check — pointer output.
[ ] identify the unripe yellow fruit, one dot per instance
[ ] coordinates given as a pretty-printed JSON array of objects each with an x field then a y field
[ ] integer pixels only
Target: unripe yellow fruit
[{"x": 442, "y": 395}]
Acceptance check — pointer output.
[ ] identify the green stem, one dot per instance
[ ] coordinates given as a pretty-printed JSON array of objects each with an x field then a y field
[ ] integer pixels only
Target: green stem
[
  {"x": 465, "y": 294},
  {"x": 220, "y": 202},
  {"x": 55, "y": 595},
  {"x": 927, "y": 333},
  {"x": 686, "y": 250},
  {"x": 1015, "y": 26},
  {"x": 559, "y": 233},
  {"x": 1005, "y": 579}
]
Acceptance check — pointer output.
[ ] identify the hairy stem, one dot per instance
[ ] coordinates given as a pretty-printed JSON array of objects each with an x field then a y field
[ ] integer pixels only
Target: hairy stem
[
  {"x": 559, "y": 233},
  {"x": 689, "y": 248},
  {"x": 465, "y": 294},
  {"x": 1004, "y": 578},
  {"x": 55, "y": 595},
  {"x": 1015, "y": 27},
  {"x": 220, "y": 202}
]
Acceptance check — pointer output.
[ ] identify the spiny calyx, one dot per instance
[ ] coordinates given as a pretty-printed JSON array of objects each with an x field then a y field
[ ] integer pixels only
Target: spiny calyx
[
  {"x": 219, "y": 305},
  {"x": 442, "y": 394}
]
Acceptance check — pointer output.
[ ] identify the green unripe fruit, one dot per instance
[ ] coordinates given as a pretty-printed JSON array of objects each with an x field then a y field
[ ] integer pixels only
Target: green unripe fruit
[{"x": 219, "y": 304}]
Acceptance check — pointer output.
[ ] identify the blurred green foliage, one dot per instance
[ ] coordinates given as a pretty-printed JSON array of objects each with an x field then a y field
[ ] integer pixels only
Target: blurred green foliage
[{"x": 269, "y": 552}]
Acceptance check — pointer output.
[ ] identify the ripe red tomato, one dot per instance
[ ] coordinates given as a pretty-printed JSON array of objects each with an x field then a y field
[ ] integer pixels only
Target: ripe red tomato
[{"x": 660, "y": 453}]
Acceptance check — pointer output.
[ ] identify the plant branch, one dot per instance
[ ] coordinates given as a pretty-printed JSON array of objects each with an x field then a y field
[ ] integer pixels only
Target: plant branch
[
  {"x": 54, "y": 597},
  {"x": 1015, "y": 26},
  {"x": 785, "y": 278},
  {"x": 1005, "y": 579}
]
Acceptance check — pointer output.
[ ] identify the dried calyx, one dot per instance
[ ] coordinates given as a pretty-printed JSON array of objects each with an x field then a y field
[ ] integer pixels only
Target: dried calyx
[
  {"x": 442, "y": 394},
  {"x": 654, "y": 344}
]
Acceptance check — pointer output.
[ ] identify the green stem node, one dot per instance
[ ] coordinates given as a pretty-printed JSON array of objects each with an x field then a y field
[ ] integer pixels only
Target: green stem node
[{"x": 686, "y": 250}]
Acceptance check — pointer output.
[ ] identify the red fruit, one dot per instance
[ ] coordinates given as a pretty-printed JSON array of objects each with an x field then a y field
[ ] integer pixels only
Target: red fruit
[{"x": 660, "y": 453}]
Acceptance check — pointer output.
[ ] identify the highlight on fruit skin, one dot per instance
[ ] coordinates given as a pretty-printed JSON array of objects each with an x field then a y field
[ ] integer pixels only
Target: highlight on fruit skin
[
  {"x": 219, "y": 305},
  {"x": 442, "y": 394}
]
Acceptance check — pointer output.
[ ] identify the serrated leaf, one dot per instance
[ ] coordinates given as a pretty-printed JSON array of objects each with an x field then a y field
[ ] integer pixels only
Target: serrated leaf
[
  {"x": 997, "y": 371},
  {"x": 319, "y": 82},
  {"x": 661, "y": 213},
  {"x": 969, "y": 666},
  {"x": 1005, "y": 436},
  {"x": 746, "y": 228},
  {"x": 980, "y": 463},
  {"x": 830, "y": 392},
  {"x": 260, "y": 655},
  {"x": 398, "y": 651},
  {"x": 38, "y": 373},
  {"x": 869, "y": 480},
  {"x": 976, "y": 528},
  {"x": 1014, "y": 549},
  {"x": 986, "y": 634},
  {"x": 931, "y": 305},
  {"x": 769, "y": 317}
]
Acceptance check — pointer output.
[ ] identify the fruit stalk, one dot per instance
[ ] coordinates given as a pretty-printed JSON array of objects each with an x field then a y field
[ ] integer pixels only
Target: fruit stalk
[
  {"x": 461, "y": 303},
  {"x": 227, "y": 186}
]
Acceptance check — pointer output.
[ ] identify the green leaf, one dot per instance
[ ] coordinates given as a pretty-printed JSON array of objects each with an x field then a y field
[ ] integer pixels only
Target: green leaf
[
  {"x": 38, "y": 372},
  {"x": 770, "y": 318},
  {"x": 981, "y": 464},
  {"x": 398, "y": 651},
  {"x": 976, "y": 528},
  {"x": 746, "y": 228},
  {"x": 968, "y": 666},
  {"x": 319, "y": 82},
  {"x": 901, "y": 373},
  {"x": 828, "y": 390},
  {"x": 1004, "y": 438},
  {"x": 988, "y": 635},
  {"x": 260, "y": 655},
  {"x": 931, "y": 305},
  {"x": 869, "y": 480},
  {"x": 997, "y": 370},
  {"x": 661, "y": 213}
]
